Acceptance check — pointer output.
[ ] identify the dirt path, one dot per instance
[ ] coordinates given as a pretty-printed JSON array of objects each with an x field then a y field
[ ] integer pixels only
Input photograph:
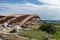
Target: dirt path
[{"x": 11, "y": 37}]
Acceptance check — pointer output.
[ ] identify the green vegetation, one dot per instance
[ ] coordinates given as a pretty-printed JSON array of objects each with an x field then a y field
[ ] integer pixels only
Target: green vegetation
[
  {"x": 34, "y": 33},
  {"x": 57, "y": 35},
  {"x": 48, "y": 27}
]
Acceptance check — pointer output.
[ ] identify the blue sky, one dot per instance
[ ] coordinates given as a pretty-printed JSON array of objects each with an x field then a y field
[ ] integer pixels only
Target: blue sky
[
  {"x": 21, "y": 1},
  {"x": 46, "y": 9}
]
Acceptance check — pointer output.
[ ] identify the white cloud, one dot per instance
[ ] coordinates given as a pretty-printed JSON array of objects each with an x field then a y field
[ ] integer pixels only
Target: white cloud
[
  {"x": 55, "y": 3},
  {"x": 18, "y": 8},
  {"x": 45, "y": 11}
]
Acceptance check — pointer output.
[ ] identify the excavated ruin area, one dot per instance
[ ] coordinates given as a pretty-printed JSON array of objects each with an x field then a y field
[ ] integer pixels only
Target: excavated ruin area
[
  {"x": 21, "y": 19},
  {"x": 5, "y": 29},
  {"x": 5, "y": 35}
]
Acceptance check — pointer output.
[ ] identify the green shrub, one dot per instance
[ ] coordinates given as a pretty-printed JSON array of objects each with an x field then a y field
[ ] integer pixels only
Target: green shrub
[{"x": 48, "y": 27}]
